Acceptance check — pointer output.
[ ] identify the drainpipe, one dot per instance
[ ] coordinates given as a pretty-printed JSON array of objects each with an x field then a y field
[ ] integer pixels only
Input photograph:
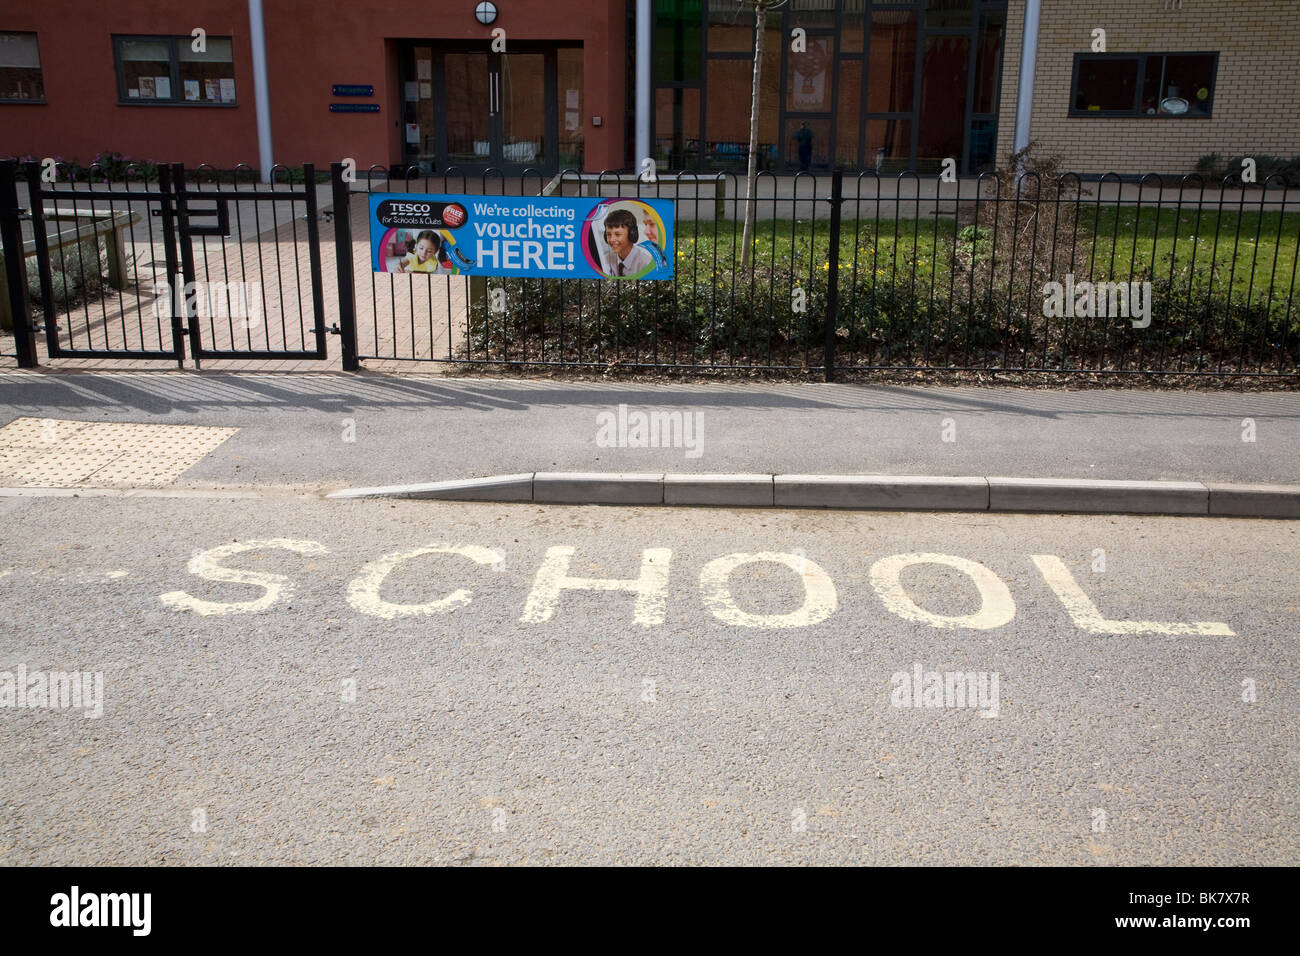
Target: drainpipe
[
  {"x": 643, "y": 15},
  {"x": 1028, "y": 56},
  {"x": 261, "y": 96}
]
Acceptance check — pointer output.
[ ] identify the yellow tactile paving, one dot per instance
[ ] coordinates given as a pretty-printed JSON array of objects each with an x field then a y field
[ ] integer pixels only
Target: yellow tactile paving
[{"x": 57, "y": 453}]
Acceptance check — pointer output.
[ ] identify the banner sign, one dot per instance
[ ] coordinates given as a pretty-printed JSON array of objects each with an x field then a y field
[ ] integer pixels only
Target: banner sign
[
  {"x": 522, "y": 236},
  {"x": 352, "y": 89}
]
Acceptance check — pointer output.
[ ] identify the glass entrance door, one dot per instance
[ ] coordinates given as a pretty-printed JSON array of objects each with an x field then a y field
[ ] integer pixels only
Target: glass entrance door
[
  {"x": 521, "y": 113},
  {"x": 473, "y": 110},
  {"x": 466, "y": 120}
]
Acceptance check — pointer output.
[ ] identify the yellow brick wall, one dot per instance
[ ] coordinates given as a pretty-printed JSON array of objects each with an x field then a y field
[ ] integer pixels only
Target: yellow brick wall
[{"x": 1256, "y": 107}]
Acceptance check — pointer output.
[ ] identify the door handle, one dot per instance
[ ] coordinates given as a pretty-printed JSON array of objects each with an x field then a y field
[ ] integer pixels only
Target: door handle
[{"x": 495, "y": 95}]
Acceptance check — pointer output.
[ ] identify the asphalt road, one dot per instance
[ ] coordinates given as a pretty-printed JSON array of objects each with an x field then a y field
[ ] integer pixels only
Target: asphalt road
[
  {"x": 512, "y": 724},
  {"x": 372, "y": 429}
]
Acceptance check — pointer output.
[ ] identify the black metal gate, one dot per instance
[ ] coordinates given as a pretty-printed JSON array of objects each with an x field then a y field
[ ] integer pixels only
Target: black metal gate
[{"x": 149, "y": 262}]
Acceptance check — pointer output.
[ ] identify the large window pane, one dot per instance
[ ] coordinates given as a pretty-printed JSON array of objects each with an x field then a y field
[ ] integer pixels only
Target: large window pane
[
  {"x": 889, "y": 145},
  {"x": 731, "y": 26},
  {"x": 988, "y": 62},
  {"x": 727, "y": 135},
  {"x": 944, "y": 68},
  {"x": 852, "y": 31},
  {"x": 808, "y": 143},
  {"x": 728, "y": 106},
  {"x": 677, "y": 41},
  {"x": 523, "y": 109},
  {"x": 849, "y": 113},
  {"x": 983, "y": 145},
  {"x": 469, "y": 126},
  {"x": 207, "y": 77},
  {"x": 1152, "y": 80},
  {"x": 809, "y": 85},
  {"x": 20, "y": 67},
  {"x": 419, "y": 137},
  {"x": 146, "y": 69},
  {"x": 812, "y": 14},
  {"x": 891, "y": 74},
  {"x": 948, "y": 13},
  {"x": 677, "y": 128},
  {"x": 1186, "y": 77},
  {"x": 568, "y": 89},
  {"x": 1109, "y": 84}
]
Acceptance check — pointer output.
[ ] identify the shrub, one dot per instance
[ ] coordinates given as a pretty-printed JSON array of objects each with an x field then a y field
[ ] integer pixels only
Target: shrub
[
  {"x": 114, "y": 167},
  {"x": 75, "y": 271},
  {"x": 1216, "y": 166}
]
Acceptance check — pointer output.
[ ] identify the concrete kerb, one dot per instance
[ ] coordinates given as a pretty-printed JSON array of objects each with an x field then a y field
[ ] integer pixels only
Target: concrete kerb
[
  {"x": 1099, "y": 497},
  {"x": 507, "y": 488},
  {"x": 881, "y": 492},
  {"x": 1255, "y": 501},
  {"x": 863, "y": 492}
]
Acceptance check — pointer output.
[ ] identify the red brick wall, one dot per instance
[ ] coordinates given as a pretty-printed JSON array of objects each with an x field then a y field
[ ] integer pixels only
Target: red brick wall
[{"x": 310, "y": 46}]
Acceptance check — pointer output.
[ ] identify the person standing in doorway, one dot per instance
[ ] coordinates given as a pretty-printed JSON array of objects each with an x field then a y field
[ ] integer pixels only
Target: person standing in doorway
[{"x": 805, "y": 140}]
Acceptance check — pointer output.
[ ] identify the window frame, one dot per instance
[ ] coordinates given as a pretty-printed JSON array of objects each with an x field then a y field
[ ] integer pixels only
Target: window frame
[
  {"x": 43, "y": 100},
  {"x": 1136, "y": 111},
  {"x": 174, "y": 71}
]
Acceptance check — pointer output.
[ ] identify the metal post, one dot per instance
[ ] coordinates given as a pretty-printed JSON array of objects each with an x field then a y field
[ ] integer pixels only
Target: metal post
[
  {"x": 188, "y": 271},
  {"x": 175, "y": 282},
  {"x": 644, "y": 12},
  {"x": 36, "y": 206},
  {"x": 343, "y": 263},
  {"x": 313, "y": 246},
  {"x": 261, "y": 93},
  {"x": 1025, "y": 91},
  {"x": 833, "y": 267},
  {"x": 15, "y": 273}
]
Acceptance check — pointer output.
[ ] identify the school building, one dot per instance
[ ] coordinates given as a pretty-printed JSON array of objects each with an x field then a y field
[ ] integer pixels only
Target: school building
[{"x": 1127, "y": 85}]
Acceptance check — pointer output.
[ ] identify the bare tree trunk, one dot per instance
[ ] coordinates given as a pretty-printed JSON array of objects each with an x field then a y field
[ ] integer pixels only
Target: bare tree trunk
[{"x": 747, "y": 237}]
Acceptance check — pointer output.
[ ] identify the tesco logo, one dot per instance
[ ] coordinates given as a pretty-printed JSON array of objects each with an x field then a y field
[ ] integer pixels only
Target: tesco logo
[{"x": 410, "y": 208}]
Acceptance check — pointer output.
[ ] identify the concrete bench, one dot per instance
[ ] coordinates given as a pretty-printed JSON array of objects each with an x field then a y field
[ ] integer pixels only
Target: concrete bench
[{"x": 111, "y": 224}]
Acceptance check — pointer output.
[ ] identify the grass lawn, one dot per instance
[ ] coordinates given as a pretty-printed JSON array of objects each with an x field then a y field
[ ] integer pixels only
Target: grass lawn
[{"x": 1251, "y": 250}]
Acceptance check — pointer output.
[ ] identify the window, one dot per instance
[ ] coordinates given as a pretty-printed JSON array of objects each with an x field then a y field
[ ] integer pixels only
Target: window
[
  {"x": 678, "y": 42},
  {"x": 731, "y": 26},
  {"x": 168, "y": 70},
  {"x": 20, "y": 68},
  {"x": 948, "y": 14},
  {"x": 1150, "y": 84},
  {"x": 891, "y": 65}
]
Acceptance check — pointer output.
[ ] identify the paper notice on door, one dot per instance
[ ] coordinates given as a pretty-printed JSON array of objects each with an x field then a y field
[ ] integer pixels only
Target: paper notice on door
[
  {"x": 191, "y": 89},
  {"x": 424, "y": 69},
  {"x": 413, "y": 132},
  {"x": 570, "y": 99},
  {"x": 410, "y": 90},
  {"x": 147, "y": 87},
  {"x": 426, "y": 91},
  {"x": 227, "y": 89},
  {"x": 163, "y": 86},
  {"x": 571, "y": 121},
  {"x": 211, "y": 91}
]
